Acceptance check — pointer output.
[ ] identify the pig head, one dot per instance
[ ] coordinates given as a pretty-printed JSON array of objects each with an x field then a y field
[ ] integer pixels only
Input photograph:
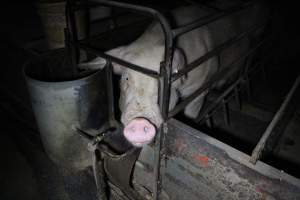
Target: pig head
[{"x": 138, "y": 101}]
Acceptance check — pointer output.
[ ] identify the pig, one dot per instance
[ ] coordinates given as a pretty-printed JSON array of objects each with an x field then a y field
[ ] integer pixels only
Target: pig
[{"x": 138, "y": 101}]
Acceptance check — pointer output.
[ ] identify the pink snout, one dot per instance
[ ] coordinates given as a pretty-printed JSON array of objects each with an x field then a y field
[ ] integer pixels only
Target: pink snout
[{"x": 139, "y": 132}]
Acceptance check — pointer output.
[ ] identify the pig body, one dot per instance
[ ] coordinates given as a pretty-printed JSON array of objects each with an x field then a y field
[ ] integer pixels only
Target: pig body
[{"x": 139, "y": 93}]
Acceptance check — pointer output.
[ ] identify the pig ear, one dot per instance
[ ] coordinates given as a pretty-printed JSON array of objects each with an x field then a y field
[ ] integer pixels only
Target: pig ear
[
  {"x": 99, "y": 63},
  {"x": 118, "y": 52},
  {"x": 179, "y": 60}
]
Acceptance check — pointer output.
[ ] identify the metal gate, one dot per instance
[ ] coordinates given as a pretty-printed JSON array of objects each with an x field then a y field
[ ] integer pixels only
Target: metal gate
[{"x": 164, "y": 77}]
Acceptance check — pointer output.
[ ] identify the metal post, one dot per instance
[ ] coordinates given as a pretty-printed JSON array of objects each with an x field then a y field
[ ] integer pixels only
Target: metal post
[
  {"x": 110, "y": 93},
  {"x": 237, "y": 97},
  {"x": 72, "y": 30},
  {"x": 248, "y": 87},
  {"x": 99, "y": 175},
  {"x": 225, "y": 111},
  {"x": 256, "y": 154},
  {"x": 209, "y": 121}
]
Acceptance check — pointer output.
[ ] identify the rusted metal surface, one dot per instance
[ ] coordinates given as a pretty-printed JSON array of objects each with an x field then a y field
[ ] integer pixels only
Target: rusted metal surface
[{"x": 200, "y": 167}]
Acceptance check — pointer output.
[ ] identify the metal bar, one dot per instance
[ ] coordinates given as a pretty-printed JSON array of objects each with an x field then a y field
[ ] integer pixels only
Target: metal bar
[
  {"x": 99, "y": 175},
  {"x": 71, "y": 31},
  {"x": 204, "y": 5},
  {"x": 103, "y": 34},
  {"x": 157, "y": 162},
  {"x": 164, "y": 101},
  {"x": 225, "y": 111},
  {"x": 216, "y": 51},
  {"x": 217, "y": 101},
  {"x": 148, "y": 12},
  {"x": 248, "y": 87},
  {"x": 110, "y": 93},
  {"x": 209, "y": 121},
  {"x": 225, "y": 72},
  {"x": 124, "y": 63},
  {"x": 109, "y": 18},
  {"x": 214, "y": 110},
  {"x": 256, "y": 154},
  {"x": 201, "y": 22},
  {"x": 237, "y": 97},
  {"x": 164, "y": 91},
  {"x": 134, "y": 8},
  {"x": 201, "y": 117},
  {"x": 165, "y": 72}
]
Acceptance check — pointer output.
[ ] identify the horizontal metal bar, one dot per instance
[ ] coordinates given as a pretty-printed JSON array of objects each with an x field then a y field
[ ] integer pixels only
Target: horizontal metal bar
[
  {"x": 225, "y": 72},
  {"x": 204, "y": 6},
  {"x": 267, "y": 134},
  {"x": 119, "y": 28},
  {"x": 108, "y": 18},
  {"x": 216, "y": 51},
  {"x": 126, "y": 64},
  {"x": 134, "y": 8},
  {"x": 202, "y": 22}
]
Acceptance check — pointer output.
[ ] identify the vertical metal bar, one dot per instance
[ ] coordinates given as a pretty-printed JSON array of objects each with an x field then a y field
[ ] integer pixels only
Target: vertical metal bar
[
  {"x": 164, "y": 99},
  {"x": 209, "y": 121},
  {"x": 248, "y": 87},
  {"x": 99, "y": 175},
  {"x": 225, "y": 111},
  {"x": 110, "y": 93},
  {"x": 246, "y": 75},
  {"x": 157, "y": 159},
  {"x": 237, "y": 97},
  {"x": 72, "y": 30},
  {"x": 70, "y": 52},
  {"x": 164, "y": 90}
]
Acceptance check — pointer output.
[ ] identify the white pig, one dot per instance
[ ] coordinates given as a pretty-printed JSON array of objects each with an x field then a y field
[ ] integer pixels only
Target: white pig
[{"x": 139, "y": 93}]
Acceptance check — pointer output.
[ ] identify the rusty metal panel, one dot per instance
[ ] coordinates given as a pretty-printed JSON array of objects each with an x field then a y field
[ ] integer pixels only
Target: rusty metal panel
[{"x": 200, "y": 167}]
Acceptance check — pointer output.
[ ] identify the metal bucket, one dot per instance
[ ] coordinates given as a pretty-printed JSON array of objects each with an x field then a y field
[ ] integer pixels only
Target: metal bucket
[
  {"x": 52, "y": 15},
  {"x": 60, "y": 103}
]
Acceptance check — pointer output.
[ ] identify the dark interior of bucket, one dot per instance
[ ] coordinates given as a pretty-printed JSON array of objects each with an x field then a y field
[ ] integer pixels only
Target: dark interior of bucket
[{"x": 54, "y": 67}]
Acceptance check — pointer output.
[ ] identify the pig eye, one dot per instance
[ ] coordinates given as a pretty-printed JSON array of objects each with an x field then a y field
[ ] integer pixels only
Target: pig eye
[{"x": 125, "y": 78}]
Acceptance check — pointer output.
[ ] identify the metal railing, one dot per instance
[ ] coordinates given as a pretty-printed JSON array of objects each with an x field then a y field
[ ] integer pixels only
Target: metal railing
[{"x": 164, "y": 76}]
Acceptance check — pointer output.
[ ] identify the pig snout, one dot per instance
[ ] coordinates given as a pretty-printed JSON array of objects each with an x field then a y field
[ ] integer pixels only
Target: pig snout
[{"x": 139, "y": 132}]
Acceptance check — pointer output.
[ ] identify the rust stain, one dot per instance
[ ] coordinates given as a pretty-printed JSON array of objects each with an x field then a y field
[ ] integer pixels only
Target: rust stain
[{"x": 201, "y": 159}]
